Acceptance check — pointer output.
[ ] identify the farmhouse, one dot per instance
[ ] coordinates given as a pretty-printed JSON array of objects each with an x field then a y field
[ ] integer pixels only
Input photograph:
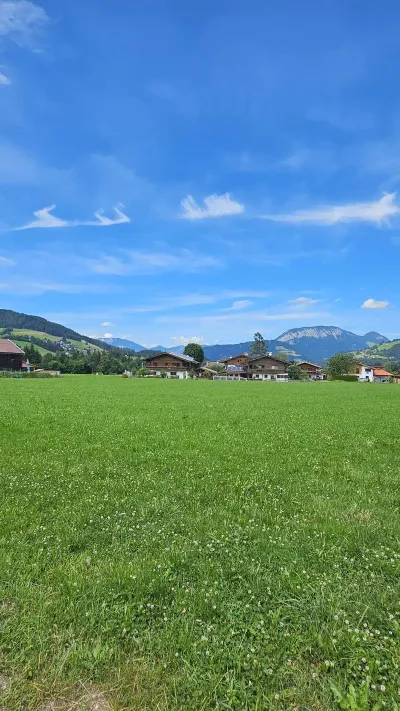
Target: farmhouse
[
  {"x": 11, "y": 356},
  {"x": 313, "y": 371},
  {"x": 375, "y": 374},
  {"x": 264, "y": 367},
  {"x": 237, "y": 365},
  {"x": 172, "y": 364}
]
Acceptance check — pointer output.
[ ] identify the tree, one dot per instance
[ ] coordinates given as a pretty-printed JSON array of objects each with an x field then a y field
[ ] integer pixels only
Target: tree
[
  {"x": 295, "y": 372},
  {"x": 259, "y": 346},
  {"x": 194, "y": 350},
  {"x": 218, "y": 367},
  {"x": 340, "y": 364}
]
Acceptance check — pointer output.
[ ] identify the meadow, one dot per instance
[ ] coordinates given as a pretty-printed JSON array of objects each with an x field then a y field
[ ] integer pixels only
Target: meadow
[{"x": 188, "y": 545}]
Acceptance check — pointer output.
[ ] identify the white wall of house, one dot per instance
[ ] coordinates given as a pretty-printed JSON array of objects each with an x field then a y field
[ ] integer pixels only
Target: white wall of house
[
  {"x": 181, "y": 374},
  {"x": 367, "y": 372},
  {"x": 381, "y": 379},
  {"x": 279, "y": 377}
]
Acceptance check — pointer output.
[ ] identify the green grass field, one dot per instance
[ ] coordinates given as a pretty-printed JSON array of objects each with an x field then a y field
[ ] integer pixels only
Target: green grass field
[{"x": 188, "y": 545}]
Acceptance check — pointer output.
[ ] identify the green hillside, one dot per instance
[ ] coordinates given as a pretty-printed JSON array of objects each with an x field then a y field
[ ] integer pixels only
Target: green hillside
[{"x": 382, "y": 353}]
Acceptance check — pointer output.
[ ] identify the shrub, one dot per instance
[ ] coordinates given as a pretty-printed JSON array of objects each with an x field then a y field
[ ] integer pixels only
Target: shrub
[{"x": 346, "y": 378}]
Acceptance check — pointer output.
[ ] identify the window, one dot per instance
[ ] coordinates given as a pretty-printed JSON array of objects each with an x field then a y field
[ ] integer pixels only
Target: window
[{"x": 274, "y": 367}]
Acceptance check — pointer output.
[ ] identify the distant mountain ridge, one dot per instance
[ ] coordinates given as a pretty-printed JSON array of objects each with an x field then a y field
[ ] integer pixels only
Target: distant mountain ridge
[{"x": 314, "y": 343}]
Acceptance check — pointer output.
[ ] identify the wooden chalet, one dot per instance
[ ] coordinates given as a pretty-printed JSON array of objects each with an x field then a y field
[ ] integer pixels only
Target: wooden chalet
[
  {"x": 11, "y": 355},
  {"x": 172, "y": 364},
  {"x": 265, "y": 367},
  {"x": 313, "y": 370}
]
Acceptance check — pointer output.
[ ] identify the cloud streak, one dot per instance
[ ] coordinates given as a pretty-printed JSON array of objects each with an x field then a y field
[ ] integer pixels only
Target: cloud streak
[
  {"x": 373, "y": 304},
  {"x": 45, "y": 219},
  {"x": 4, "y": 81},
  {"x": 131, "y": 262},
  {"x": 21, "y": 20},
  {"x": 213, "y": 206},
  {"x": 376, "y": 212},
  {"x": 303, "y": 301}
]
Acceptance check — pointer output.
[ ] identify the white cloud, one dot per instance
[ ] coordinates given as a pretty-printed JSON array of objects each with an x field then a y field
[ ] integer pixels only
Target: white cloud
[
  {"x": 239, "y": 305},
  {"x": 373, "y": 304},
  {"x": 4, "y": 81},
  {"x": 246, "y": 317},
  {"x": 141, "y": 262},
  {"x": 184, "y": 340},
  {"x": 20, "y": 20},
  {"x": 107, "y": 324},
  {"x": 6, "y": 262},
  {"x": 45, "y": 219},
  {"x": 108, "y": 335},
  {"x": 104, "y": 221},
  {"x": 303, "y": 301},
  {"x": 27, "y": 288},
  {"x": 214, "y": 206},
  {"x": 376, "y": 212}
]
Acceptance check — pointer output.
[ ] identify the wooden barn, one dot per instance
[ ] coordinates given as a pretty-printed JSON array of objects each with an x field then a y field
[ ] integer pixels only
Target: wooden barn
[{"x": 11, "y": 355}]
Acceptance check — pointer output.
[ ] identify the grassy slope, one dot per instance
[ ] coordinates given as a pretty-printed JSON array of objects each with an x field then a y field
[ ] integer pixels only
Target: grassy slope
[
  {"x": 46, "y": 336},
  {"x": 383, "y": 351},
  {"x": 183, "y": 544},
  {"x": 23, "y": 344}
]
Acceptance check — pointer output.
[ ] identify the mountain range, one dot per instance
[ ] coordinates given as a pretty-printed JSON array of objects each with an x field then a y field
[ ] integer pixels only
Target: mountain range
[{"x": 315, "y": 343}]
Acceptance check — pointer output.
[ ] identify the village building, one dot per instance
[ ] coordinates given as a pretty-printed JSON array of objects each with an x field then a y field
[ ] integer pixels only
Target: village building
[
  {"x": 11, "y": 355},
  {"x": 246, "y": 367},
  {"x": 373, "y": 374},
  {"x": 267, "y": 367},
  {"x": 313, "y": 370},
  {"x": 237, "y": 365},
  {"x": 172, "y": 364}
]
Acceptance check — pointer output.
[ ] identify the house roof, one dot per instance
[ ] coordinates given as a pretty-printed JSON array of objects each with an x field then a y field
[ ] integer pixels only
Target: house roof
[
  {"x": 239, "y": 355},
  {"x": 381, "y": 371},
  {"x": 7, "y": 346},
  {"x": 186, "y": 358},
  {"x": 307, "y": 362},
  {"x": 270, "y": 357}
]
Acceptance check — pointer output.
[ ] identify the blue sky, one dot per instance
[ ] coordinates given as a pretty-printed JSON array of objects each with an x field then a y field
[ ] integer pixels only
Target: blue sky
[{"x": 172, "y": 171}]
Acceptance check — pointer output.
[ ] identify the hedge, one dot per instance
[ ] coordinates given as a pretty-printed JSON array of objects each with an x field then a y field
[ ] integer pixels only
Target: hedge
[{"x": 346, "y": 378}]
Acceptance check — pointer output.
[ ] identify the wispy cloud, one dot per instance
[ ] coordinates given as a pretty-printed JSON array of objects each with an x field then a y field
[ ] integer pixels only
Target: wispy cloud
[
  {"x": 303, "y": 301},
  {"x": 245, "y": 317},
  {"x": 4, "y": 81},
  {"x": 107, "y": 324},
  {"x": 21, "y": 20},
  {"x": 373, "y": 304},
  {"x": 35, "y": 288},
  {"x": 130, "y": 262},
  {"x": 184, "y": 340},
  {"x": 376, "y": 212},
  {"x": 239, "y": 305},
  {"x": 7, "y": 262},
  {"x": 214, "y": 206},
  {"x": 45, "y": 219}
]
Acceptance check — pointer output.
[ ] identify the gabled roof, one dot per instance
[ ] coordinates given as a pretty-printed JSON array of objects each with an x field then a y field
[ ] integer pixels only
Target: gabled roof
[
  {"x": 239, "y": 355},
  {"x": 270, "y": 357},
  {"x": 307, "y": 362},
  {"x": 381, "y": 371},
  {"x": 176, "y": 356},
  {"x": 7, "y": 346}
]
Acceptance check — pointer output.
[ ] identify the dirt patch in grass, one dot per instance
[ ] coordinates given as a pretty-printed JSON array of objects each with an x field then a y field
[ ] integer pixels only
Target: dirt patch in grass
[{"x": 83, "y": 699}]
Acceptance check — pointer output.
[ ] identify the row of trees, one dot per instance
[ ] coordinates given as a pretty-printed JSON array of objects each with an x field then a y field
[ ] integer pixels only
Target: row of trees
[{"x": 79, "y": 362}]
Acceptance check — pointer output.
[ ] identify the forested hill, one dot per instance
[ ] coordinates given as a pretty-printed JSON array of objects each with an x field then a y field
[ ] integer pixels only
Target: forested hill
[{"x": 15, "y": 320}]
